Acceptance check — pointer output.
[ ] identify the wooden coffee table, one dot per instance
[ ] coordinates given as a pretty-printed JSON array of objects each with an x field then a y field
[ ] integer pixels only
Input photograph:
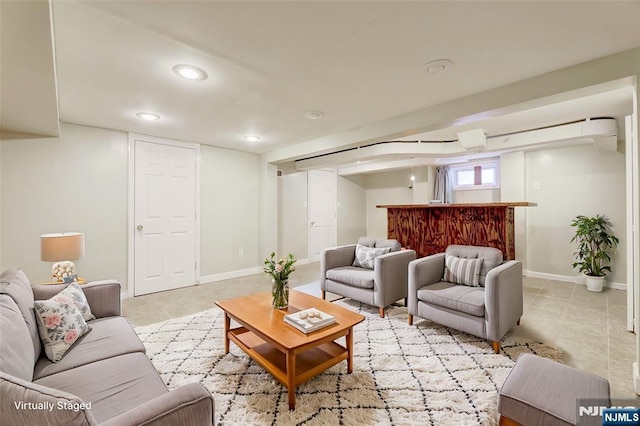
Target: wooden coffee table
[{"x": 291, "y": 356}]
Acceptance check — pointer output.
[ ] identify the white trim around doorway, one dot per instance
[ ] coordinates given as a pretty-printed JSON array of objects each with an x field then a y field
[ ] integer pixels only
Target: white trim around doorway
[{"x": 131, "y": 197}]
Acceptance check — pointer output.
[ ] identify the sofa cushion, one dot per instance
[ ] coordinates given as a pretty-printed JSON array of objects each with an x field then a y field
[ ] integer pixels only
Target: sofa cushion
[
  {"x": 113, "y": 385},
  {"x": 366, "y": 256},
  {"x": 16, "y": 356},
  {"x": 63, "y": 405},
  {"x": 460, "y": 298},
  {"x": 15, "y": 283},
  {"x": 60, "y": 325},
  {"x": 109, "y": 337},
  {"x": 491, "y": 257},
  {"x": 462, "y": 271},
  {"x": 351, "y": 275}
]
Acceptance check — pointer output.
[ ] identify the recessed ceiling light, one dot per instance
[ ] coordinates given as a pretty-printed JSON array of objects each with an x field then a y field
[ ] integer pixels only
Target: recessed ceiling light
[
  {"x": 314, "y": 115},
  {"x": 437, "y": 66},
  {"x": 190, "y": 72},
  {"x": 251, "y": 138},
  {"x": 148, "y": 116}
]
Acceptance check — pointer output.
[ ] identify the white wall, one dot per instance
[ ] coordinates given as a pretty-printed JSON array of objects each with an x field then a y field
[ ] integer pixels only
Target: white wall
[
  {"x": 75, "y": 182},
  {"x": 572, "y": 181},
  {"x": 386, "y": 188},
  {"x": 424, "y": 186},
  {"x": 78, "y": 182},
  {"x": 268, "y": 210},
  {"x": 292, "y": 217},
  {"x": 352, "y": 209},
  {"x": 513, "y": 188},
  {"x": 229, "y": 204},
  {"x": 476, "y": 196}
]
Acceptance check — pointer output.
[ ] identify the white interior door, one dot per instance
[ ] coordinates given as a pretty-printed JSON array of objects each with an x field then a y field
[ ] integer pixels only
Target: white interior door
[
  {"x": 165, "y": 217},
  {"x": 321, "y": 190}
]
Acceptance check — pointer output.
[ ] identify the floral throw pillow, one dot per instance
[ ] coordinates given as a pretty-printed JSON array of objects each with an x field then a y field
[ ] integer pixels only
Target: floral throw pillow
[
  {"x": 462, "y": 271},
  {"x": 60, "y": 324},
  {"x": 74, "y": 294},
  {"x": 366, "y": 256}
]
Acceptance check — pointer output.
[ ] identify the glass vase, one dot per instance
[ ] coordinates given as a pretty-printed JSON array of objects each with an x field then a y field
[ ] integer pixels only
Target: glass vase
[{"x": 280, "y": 293}]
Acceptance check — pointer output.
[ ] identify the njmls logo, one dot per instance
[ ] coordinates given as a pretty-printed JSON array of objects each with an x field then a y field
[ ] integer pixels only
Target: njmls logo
[
  {"x": 591, "y": 410},
  {"x": 606, "y": 412},
  {"x": 621, "y": 417},
  {"x": 594, "y": 410}
]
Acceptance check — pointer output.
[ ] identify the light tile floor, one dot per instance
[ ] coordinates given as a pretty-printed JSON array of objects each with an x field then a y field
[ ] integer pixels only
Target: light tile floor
[{"x": 589, "y": 327}]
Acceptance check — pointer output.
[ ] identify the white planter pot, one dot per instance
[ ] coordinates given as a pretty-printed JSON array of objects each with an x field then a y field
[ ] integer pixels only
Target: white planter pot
[{"x": 594, "y": 283}]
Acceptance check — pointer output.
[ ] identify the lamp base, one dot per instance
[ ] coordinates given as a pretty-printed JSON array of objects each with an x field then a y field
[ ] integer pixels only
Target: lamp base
[{"x": 61, "y": 270}]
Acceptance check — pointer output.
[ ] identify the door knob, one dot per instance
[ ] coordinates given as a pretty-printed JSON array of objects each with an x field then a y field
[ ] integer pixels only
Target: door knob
[
  {"x": 313, "y": 222},
  {"x": 139, "y": 227}
]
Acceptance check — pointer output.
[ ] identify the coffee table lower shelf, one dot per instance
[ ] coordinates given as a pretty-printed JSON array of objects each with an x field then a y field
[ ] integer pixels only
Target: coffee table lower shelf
[{"x": 308, "y": 362}]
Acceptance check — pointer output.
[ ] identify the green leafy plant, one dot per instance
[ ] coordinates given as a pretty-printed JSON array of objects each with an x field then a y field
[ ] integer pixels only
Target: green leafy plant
[
  {"x": 279, "y": 269},
  {"x": 596, "y": 243}
]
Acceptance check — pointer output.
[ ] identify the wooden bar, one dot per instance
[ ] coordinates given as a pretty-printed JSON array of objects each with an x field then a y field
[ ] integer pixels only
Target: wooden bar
[{"x": 430, "y": 228}]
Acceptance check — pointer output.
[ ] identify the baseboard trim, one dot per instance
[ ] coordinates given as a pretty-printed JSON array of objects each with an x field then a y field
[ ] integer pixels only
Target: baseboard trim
[
  {"x": 204, "y": 279},
  {"x": 570, "y": 279}
]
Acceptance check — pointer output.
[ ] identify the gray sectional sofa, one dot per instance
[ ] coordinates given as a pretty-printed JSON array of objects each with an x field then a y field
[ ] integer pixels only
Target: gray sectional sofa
[{"x": 105, "y": 378}]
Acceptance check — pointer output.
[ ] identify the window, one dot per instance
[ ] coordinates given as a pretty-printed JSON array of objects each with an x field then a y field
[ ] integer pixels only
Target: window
[{"x": 476, "y": 176}]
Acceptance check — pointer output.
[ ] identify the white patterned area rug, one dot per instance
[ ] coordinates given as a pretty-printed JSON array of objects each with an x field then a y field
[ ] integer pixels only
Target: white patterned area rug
[{"x": 423, "y": 374}]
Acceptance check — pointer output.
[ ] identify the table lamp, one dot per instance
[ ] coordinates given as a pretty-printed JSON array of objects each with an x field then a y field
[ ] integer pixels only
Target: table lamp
[{"x": 62, "y": 248}]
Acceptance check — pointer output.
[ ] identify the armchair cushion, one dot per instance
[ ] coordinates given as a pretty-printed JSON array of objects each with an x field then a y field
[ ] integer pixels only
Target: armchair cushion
[
  {"x": 462, "y": 271},
  {"x": 459, "y": 298},
  {"x": 491, "y": 256},
  {"x": 394, "y": 245},
  {"x": 380, "y": 243},
  {"x": 357, "y": 277},
  {"x": 367, "y": 241},
  {"x": 366, "y": 256}
]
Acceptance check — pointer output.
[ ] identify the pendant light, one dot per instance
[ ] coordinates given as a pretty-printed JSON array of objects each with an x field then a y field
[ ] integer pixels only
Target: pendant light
[{"x": 412, "y": 178}]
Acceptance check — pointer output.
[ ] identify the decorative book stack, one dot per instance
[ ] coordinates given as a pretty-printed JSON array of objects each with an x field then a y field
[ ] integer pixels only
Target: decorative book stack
[{"x": 309, "y": 320}]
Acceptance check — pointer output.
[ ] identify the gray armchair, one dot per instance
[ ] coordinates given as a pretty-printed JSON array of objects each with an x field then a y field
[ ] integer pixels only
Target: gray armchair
[
  {"x": 381, "y": 286},
  {"x": 487, "y": 311}
]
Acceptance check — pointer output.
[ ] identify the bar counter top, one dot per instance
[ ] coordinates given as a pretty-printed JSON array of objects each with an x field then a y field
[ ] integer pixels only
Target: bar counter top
[{"x": 457, "y": 205}]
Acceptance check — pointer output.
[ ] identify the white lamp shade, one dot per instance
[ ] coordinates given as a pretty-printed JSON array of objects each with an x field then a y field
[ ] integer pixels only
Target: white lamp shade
[{"x": 61, "y": 246}]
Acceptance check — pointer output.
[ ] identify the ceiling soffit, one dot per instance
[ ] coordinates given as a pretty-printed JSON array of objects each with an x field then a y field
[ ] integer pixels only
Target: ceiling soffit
[
  {"x": 269, "y": 62},
  {"x": 29, "y": 101}
]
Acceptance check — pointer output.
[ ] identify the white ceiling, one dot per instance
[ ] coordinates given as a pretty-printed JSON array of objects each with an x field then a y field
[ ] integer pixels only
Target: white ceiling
[{"x": 360, "y": 62}]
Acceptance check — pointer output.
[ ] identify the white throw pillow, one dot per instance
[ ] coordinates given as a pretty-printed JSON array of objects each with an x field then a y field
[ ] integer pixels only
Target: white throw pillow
[
  {"x": 60, "y": 324},
  {"x": 366, "y": 256},
  {"x": 462, "y": 271},
  {"x": 78, "y": 298}
]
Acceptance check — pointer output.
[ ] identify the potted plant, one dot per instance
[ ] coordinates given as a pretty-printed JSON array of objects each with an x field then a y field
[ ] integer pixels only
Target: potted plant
[{"x": 596, "y": 243}]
